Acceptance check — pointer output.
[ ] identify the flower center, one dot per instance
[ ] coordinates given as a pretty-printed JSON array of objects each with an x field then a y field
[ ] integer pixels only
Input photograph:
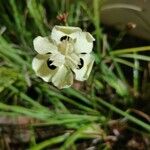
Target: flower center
[
  {"x": 65, "y": 56},
  {"x": 65, "y": 47}
]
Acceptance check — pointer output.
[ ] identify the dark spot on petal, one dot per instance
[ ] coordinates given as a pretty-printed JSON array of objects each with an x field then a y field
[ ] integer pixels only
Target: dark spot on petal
[
  {"x": 83, "y": 53},
  {"x": 81, "y": 63},
  {"x": 49, "y": 64},
  {"x": 65, "y": 38},
  {"x": 49, "y": 53}
]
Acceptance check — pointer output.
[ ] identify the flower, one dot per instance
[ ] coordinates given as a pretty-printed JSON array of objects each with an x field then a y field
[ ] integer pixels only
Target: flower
[{"x": 63, "y": 56}]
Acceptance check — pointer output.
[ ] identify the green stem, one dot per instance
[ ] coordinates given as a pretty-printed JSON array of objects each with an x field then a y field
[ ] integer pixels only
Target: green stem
[
  {"x": 130, "y": 50},
  {"x": 136, "y": 76},
  {"x": 96, "y": 6},
  {"x": 68, "y": 100},
  {"x": 125, "y": 114},
  {"x": 28, "y": 99},
  {"x": 50, "y": 142}
]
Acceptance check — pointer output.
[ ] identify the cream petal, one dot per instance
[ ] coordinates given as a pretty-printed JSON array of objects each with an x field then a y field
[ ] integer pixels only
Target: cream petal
[
  {"x": 63, "y": 78},
  {"x": 43, "y": 45},
  {"x": 84, "y": 43},
  {"x": 60, "y": 31},
  {"x": 72, "y": 60},
  {"x": 58, "y": 59},
  {"x": 83, "y": 73},
  {"x": 39, "y": 65}
]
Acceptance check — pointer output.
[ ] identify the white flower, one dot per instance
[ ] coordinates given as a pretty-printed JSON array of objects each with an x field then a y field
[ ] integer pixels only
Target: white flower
[{"x": 67, "y": 53}]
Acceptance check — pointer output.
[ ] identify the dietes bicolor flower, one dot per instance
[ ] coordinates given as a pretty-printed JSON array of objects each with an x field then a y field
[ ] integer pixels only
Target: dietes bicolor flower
[{"x": 63, "y": 56}]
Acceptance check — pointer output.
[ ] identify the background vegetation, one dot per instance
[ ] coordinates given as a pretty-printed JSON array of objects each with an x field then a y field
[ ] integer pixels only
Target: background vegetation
[{"x": 109, "y": 111}]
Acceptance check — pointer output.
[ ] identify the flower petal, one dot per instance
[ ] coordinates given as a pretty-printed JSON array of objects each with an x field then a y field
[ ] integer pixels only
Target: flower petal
[
  {"x": 84, "y": 42},
  {"x": 63, "y": 78},
  {"x": 39, "y": 65},
  {"x": 58, "y": 59},
  {"x": 43, "y": 45},
  {"x": 72, "y": 60},
  {"x": 83, "y": 73},
  {"x": 60, "y": 31}
]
